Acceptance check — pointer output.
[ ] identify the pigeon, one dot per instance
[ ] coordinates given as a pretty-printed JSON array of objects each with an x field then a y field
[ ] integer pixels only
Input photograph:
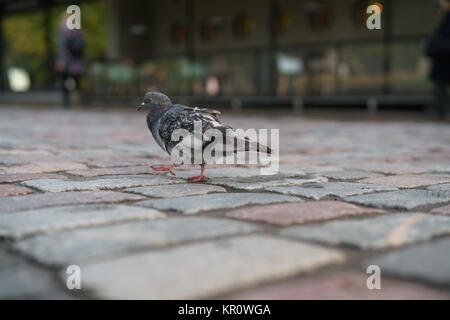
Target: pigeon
[{"x": 164, "y": 117}]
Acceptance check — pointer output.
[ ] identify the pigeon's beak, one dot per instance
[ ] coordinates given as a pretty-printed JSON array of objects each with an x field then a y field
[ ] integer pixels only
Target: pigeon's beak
[{"x": 140, "y": 106}]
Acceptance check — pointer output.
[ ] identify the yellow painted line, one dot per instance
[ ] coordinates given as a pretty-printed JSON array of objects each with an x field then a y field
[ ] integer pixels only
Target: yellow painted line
[{"x": 399, "y": 234}]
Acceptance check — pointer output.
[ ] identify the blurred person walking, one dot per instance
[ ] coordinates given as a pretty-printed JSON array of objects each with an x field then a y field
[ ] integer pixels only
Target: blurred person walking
[
  {"x": 69, "y": 62},
  {"x": 438, "y": 49}
]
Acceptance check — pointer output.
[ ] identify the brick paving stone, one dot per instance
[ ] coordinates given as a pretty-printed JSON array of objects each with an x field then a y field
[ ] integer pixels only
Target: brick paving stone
[
  {"x": 442, "y": 168},
  {"x": 43, "y": 200},
  {"x": 407, "y": 181},
  {"x": 374, "y": 233},
  {"x": 94, "y": 172},
  {"x": 126, "y": 162},
  {"x": 21, "y": 280},
  {"x": 107, "y": 183},
  {"x": 387, "y": 168},
  {"x": 207, "y": 268},
  {"x": 302, "y": 170},
  {"x": 428, "y": 262},
  {"x": 295, "y": 213},
  {"x": 13, "y": 190},
  {"x": 338, "y": 189},
  {"x": 25, "y": 223},
  {"x": 61, "y": 154},
  {"x": 445, "y": 210},
  {"x": 141, "y": 149},
  {"x": 19, "y": 151},
  {"x": 341, "y": 285},
  {"x": 176, "y": 190},
  {"x": 76, "y": 246},
  {"x": 257, "y": 184},
  {"x": 43, "y": 167},
  {"x": 350, "y": 174},
  {"x": 17, "y": 177},
  {"x": 402, "y": 199},
  {"x": 195, "y": 204},
  {"x": 26, "y": 159}
]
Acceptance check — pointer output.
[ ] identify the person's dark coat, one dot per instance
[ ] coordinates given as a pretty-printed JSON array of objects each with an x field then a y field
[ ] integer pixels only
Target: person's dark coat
[
  {"x": 438, "y": 50},
  {"x": 73, "y": 63}
]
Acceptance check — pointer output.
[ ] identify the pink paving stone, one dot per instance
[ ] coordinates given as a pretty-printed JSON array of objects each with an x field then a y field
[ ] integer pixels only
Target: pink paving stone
[
  {"x": 126, "y": 162},
  {"x": 44, "y": 167},
  {"x": 17, "y": 177},
  {"x": 445, "y": 210},
  {"x": 344, "y": 285},
  {"x": 390, "y": 159},
  {"x": 387, "y": 168},
  {"x": 13, "y": 190},
  {"x": 300, "y": 212},
  {"x": 111, "y": 171},
  {"x": 407, "y": 181}
]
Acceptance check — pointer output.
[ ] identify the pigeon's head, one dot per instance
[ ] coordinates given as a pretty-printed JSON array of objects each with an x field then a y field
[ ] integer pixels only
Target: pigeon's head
[{"x": 155, "y": 100}]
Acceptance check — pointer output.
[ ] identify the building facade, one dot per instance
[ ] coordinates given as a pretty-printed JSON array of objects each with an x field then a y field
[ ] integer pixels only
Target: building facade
[{"x": 305, "y": 49}]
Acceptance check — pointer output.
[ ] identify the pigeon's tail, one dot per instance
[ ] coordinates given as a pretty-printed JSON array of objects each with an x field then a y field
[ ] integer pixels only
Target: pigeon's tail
[
  {"x": 260, "y": 148},
  {"x": 246, "y": 144}
]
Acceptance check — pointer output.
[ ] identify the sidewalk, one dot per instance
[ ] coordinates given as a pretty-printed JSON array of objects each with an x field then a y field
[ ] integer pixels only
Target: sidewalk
[{"x": 76, "y": 188}]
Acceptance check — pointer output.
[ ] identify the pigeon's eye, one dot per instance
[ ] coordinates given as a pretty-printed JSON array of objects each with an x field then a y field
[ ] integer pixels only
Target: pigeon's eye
[{"x": 150, "y": 100}]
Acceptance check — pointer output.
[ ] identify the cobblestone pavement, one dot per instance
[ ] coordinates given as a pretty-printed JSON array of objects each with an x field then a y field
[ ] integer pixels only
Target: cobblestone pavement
[{"x": 76, "y": 188}]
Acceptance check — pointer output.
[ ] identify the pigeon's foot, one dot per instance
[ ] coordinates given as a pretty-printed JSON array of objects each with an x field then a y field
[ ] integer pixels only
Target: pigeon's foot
[
  {"x": 164, "y": 168},
  {"x": 201, "y": 177}
]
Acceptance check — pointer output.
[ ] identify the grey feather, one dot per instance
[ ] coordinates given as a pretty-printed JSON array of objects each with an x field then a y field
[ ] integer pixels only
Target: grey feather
[{"x": 164, "y": 118}]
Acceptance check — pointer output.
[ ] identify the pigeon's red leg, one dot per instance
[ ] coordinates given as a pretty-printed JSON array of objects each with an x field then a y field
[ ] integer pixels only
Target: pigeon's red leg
[
  {"x": 200, "y": 177},
  {"x": 164, "y": 168}
]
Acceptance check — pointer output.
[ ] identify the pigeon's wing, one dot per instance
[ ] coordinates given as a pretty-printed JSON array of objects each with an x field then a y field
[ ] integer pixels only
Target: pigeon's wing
[
  {"x": 155, "y": 132},
  {"x": 182, "y": 117},
  {"x": 204, "y": 111}
]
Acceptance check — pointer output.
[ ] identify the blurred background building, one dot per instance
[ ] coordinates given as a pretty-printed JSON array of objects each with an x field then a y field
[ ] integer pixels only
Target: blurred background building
[{"x": 234, "y": 52}]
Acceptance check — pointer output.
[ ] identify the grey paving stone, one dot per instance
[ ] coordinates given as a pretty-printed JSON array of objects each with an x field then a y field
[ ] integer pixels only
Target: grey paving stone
[
  {"x": 338, "y": 189},
  {"x": 195, "y": 204},
  {"x": 440, "y": 187},
  {"x": 350, "y": 174},
  {"x": 302, "y": 170},
  {"x": 256, "y": 184},
  {"x": 176, "y": 190},
  {"x": 76, "y": 246},
  {"x": 25, "y": 223},
  {"x": 374, "y": 233},
  {"x": 220, "y": 173},
  {"x": 94, "y": 172},
  {"x": 43, "y": 200},
  {"x": 427, "y": 262},
  {"x": 402, "y": 199},
  {"x": 21, "y": 280},
  {"x": 109, "y": 183},
  {"x": 204, "y": 269}
]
